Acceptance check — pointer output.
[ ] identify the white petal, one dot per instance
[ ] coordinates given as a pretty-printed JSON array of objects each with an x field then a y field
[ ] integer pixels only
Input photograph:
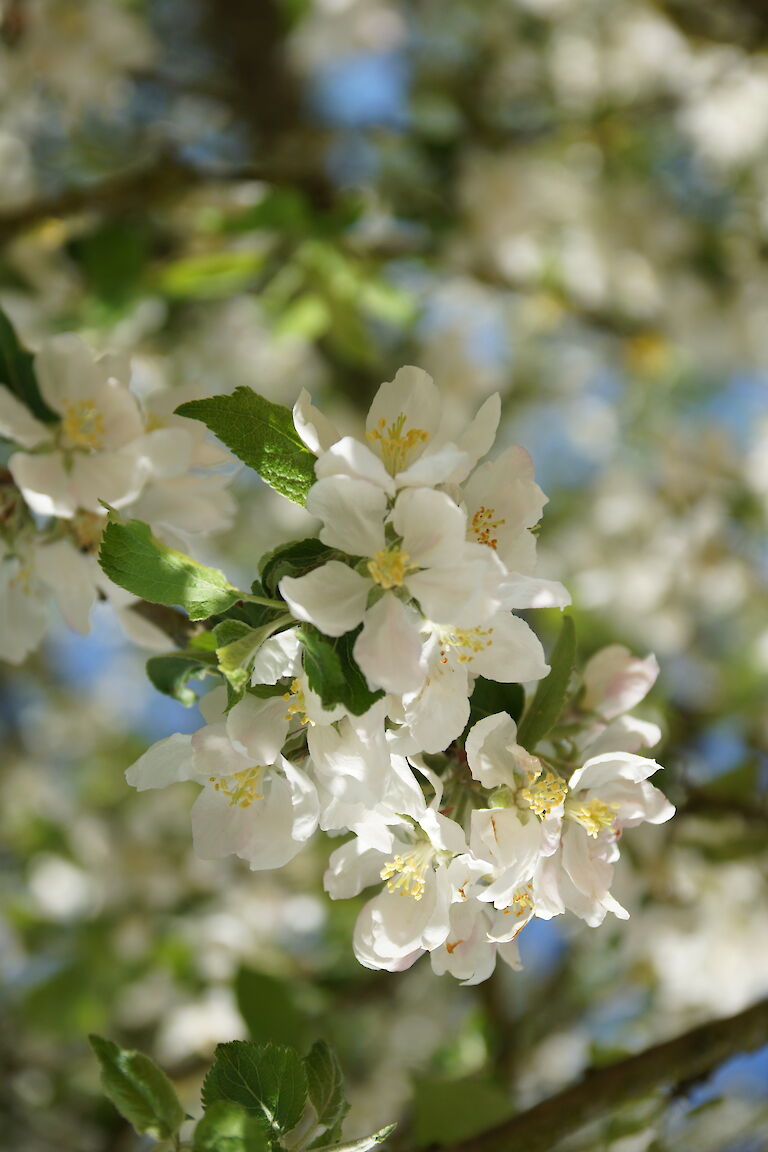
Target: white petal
[
  {"x": 348, "y": 457},
  {"x": 352, "y": 512},
  {"x": 352, "y": 868},
  {"x": 518, "y": 591},
  {"x": 315, "y": 429},
  {"x": 433, "y": 528},
  {"x": 219, "y": 828},
  {"x": 389, "y": 648},
  {"x": 69, "y": 574},
  {"x": 624, "y": 734},
  {"x": 45, "y": 484},
  {"x": 364, "y": 944},
  {"x": 114, "y": 477},
  {"x": 66, "y": 371},
  {"x": 278, "y": 657},
  {"x": 213, "y": 705},
  {"x": 601, "y": 770},
  {"x": 433, "y": 467},
  {"x": 167, "y": 762},
  {"x": 514, "y": 655},
  {"x": 215, "y": 754},
  {"x": 477, "y": 440},
  {"x": 439, "y": 713},
  {"x": 412, "y": 394},
  {"x": 18, "y": 424},
  {"x": 168, "y": 451},
  {"x": 488, "y": 747},
  {"x": 332, "y": 597},
  {"x": 23, "y": 611},
  {"x": 259, "y": 727},
  {"x": 615, "y": 680},
  {"x": 460, "y": 594}
]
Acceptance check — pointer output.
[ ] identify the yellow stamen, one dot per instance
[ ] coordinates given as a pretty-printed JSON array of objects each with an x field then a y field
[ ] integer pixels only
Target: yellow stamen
[
  {"x": 593, "y": 815},
  {"x": 484, "y": 526},
  {"x": 297, "y": 703},
  {"x": 545, "y": 792},
  {"x": 241, "y": 788},
  {"x": 87, "y": 529},
  {"x": 390, "y": 567},
  {"x": 522, "y": 902},
  {"x": 405, "y": 874},
  {"x": 397, "y": 445},
  {"x": 83, "y": 425},
  {"x": 467, "y": 641}
]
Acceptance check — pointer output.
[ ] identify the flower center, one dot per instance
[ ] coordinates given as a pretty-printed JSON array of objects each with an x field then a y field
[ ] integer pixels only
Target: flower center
[
  {"x": 390, "y": 567},
  {"x": 545, "y": 792},
  {"x": 297, "y": 703},
  {"x": 467, "y": 642},
  {"x": 83, "y": 425},
  {"x": 397, "y": 445},
  {"x": 521, "y": 903},
  {"x": 87, "y": 529},
  {"x": 593, "y": 815},
  {"x": 484, "y": 525},
  {"x": 241, "y": 788},
  {"x": 405, "y": 874}
]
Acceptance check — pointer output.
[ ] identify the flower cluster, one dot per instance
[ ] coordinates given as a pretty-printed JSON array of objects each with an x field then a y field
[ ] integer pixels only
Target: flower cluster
[
  {"x": 97, "y": 445},
  {"x": 423, "y": 556}
]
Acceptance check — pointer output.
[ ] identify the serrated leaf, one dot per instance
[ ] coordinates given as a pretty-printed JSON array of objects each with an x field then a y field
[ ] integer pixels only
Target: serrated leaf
[
  {"x": 361, "y": 1145},
  {"x": 171, "y": 672},
  {"x": 547, "y": 704},
  {"x": 325, "y": 1080},
  {"x": 490, "y": 696},
  {"x": 17, "y": 373},
  {"x": 294, "y": 559},
  {"x": 333, "y": 673},
  {"x": 132, "y": 557},
  {"x": 265, "y": 1079},
  {"x": 227, "y": 1127},
  {"x": 238, "y": 644},
  {"x": 262, "y": 435},
  {"x": 140, "y": 1091}
]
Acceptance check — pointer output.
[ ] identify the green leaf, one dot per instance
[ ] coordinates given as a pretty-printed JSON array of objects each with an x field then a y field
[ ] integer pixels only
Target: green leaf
[
  {"x": 262, "y": 435},
  {"x": 265, "y": 1079},
  {"x": 490, "y": 697},
  {"x": 333, "y": 673},
  {"x": 227, "y": 1127},
  {"x": 269, "y": 1008},
  {"x": 361, "y": 1145},
  {"x": 18, "y": 374},
  {"x": 171, "y": 672},
  {"x": 547, "y": 704},
  {"x": 237, "y": 646},
  {"x": 140, "y": 1091},
  {"x": 449, "y": 1111},
  {"x": 326, "y": 1089},
  {"x": 132, "y": 557},
  {"x": 294, "y": 559}
]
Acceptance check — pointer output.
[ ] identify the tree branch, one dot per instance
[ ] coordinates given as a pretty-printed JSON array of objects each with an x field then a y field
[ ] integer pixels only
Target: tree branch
[{"x": 687, "y": 1058}]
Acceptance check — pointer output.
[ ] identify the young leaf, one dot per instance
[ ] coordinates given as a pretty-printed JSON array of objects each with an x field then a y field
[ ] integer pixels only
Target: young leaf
[
  {"x": 490, "y": 697},
  {"x": 266, "y": 1080},
  {"x": 295, "y": 559},
  {"x": 262, "y": 435},
  {"x": 361, "y": 1145},
  {"x": 171, "y": 672},
  {"x": 18, "y": 374},
  {"x": 132, "y": 557},
  {"x": 227, "y": 1127},
  {"x": 238, "y": 644},
  {"x": 333, "y": 673},
  {"x": 326, "y": 1089},
  {"x": 140, "y": 1091},
  {"x": 547, "y": 704}
]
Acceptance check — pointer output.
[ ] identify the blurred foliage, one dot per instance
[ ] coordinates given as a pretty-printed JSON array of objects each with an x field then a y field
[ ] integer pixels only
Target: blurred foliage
[{"x": 563, "y": 200}]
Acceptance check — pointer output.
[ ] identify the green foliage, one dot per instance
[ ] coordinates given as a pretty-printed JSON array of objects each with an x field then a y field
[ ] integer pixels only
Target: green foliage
[
  {"x": 547, "y": 704},
  {"x": 140, "y": 1091},
  {"x": 171, "y": 672},
  {"x": 325, "y": 1081},
  {"x": 262, "y": 435},
  {"x": 363, "y": 1144},
  {"x": 447, "y": 1111},
  {"x": 333, "y": 673},
  {"x": 210, "y": 276},
  {"x": 266, "y": 1080},
  {"x": 490, "y": 697},
  {"x": 294, "y": 559},
  {"x": 132, "y": 557},
  {"x": 17, "y": 372},
  {"x": 112, "y": 258},
  {"x": 237, "y": 644},
  {"x": 227, "y": 1127},
  {"x": 269, "y": 1008}
]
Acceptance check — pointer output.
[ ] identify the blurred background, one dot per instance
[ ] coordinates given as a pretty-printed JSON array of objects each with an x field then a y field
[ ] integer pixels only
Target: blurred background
[{"x": 562, "y": 200}]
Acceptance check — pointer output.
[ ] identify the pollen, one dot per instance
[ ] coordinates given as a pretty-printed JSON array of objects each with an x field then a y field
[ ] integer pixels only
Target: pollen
[
  {"x": 545, "y": 793},
  {"x": 389, "y": 567},
  {"x": 405, "y": 874},
  {"x": 241, "y": 788},
  {"x": 467, "y": 642},
  {"x": 485, "y": 526},
  {"x": 83, "y": 425},
  {"x": 396, "y": 443},
  {"x": 297, "y": 703},
  {"x": 522, "y": 902},
  {"x": 593, "y": 815}
]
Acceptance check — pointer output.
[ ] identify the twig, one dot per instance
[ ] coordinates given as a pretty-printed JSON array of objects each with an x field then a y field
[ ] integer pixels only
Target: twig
[{"x": 675, "y": 1063}]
